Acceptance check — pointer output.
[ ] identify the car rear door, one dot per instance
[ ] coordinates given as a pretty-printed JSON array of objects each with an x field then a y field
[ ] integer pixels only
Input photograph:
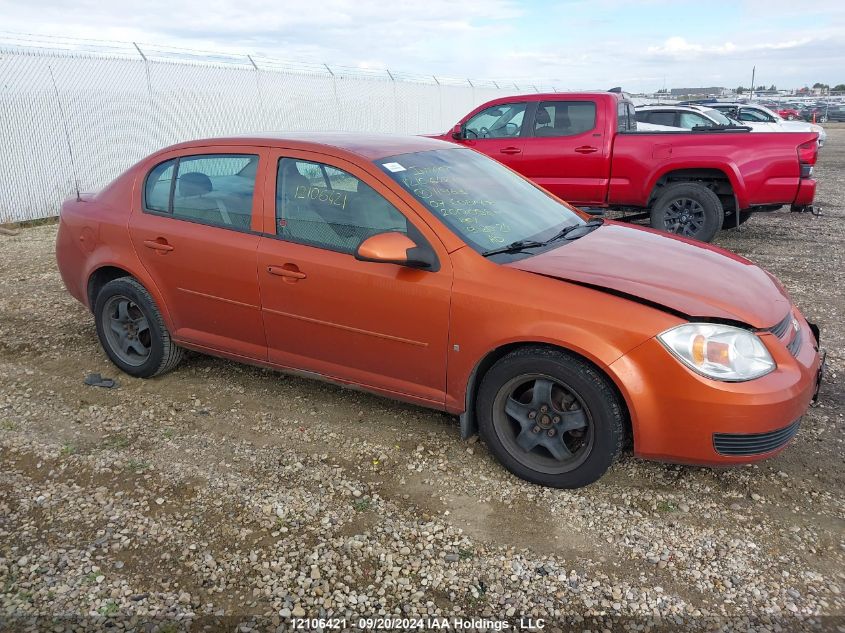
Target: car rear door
[
  {"x": 195, "y": 228},
  {"x": 565, "y": 150},
  {"x": 380, "y": 325},
  {"x": 498, "y": 131}
]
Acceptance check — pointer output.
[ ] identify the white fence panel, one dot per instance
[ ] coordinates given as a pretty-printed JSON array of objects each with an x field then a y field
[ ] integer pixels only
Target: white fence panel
[{"x": 82, "y": 115}]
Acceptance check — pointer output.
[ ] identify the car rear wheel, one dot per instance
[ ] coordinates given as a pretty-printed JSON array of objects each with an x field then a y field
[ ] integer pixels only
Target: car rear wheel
[
  {"x": 550, "y": 417},
  {"x": 689, "y": 209},
  {"x": 131, "y": 330}
]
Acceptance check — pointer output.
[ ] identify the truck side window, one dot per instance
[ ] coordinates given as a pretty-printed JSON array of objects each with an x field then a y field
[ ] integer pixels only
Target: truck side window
[
  {"x": 564, "y": 118},
  {"x": 623, "y": 120},
  {"x": 499, "y": 121}
]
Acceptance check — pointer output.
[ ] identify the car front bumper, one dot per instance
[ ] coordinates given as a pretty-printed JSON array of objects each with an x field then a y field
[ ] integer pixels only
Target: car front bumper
[{"x": 680, "y": 416}]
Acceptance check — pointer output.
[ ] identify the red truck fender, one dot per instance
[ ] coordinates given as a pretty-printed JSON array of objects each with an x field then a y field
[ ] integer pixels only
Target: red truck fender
[{"x": 727, "y": 170}]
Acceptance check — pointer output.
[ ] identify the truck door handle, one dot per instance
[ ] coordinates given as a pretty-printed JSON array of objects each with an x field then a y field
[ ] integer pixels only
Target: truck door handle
[
  {"x": 289, "y": 271},
  {"x": 586, "y": 149},
  {"x": 510, "y": 150},
  {"x": 159, "y": 245}
]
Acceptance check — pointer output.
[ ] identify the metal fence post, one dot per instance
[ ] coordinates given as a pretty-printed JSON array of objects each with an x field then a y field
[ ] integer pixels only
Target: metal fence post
[
  {"x": 336, "y": 99},
  {"x": 146, "y": 71},
  {"x": 396, "y": 116},
  {"x": 264, "y": 114}
]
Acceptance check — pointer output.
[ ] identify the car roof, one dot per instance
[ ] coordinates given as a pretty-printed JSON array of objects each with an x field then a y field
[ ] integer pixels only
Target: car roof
[
  {"x": 673, "y": 106},
  {"x": 369, "y": 146}
]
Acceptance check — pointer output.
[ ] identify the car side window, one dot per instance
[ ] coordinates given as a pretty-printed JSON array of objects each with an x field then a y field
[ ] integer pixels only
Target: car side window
[
  {"x": 565, "y": 118},
  {"x": 690, "y": 120},
  {"x": 747, "y": 114},
  {"x": 661, "y": 118},
  {"x": 337, "y": 213},
  {"x": 499, "y": 121},
  {"x": 215, "y": 189},
  {"x": 159, "y": 185}
]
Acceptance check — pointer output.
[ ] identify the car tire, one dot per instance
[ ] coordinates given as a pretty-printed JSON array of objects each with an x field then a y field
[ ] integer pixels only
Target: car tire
[
  {"x": 132, "y": 331},
  {"x": 563, "y": 453},
  {"x": 689, "y": 209}
]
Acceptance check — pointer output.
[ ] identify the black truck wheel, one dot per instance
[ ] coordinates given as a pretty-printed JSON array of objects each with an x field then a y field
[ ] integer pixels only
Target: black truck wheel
[{"x": 689, "y": 209}]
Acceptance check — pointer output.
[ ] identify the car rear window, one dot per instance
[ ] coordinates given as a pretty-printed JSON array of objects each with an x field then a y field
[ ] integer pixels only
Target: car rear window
[{"x": 214, "y": 189}]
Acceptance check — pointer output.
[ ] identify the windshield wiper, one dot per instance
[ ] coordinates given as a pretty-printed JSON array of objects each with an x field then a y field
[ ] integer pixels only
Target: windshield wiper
[
  {"x": 519, "y": 245},
  {"x": 513, "y": 247},
  {"x": 568, "y": 229}
]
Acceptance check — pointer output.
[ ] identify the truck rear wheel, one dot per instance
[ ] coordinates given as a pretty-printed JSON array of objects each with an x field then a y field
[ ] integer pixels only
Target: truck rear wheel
[{"x": 689, "y": 209}]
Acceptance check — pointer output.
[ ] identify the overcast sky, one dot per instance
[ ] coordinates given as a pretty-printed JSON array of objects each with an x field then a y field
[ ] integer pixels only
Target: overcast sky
[{"x": 640, "y": 45}]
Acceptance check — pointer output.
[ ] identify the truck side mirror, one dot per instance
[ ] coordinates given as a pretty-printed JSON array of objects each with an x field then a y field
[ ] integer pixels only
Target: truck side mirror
[{"x": 458, "y": 132}]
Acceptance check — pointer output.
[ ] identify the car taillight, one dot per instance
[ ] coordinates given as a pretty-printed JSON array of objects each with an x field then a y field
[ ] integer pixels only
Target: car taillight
[{"x": 808, "y": 152}]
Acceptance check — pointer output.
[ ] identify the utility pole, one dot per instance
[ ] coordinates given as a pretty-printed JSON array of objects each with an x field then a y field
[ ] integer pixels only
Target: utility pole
[{"x": 753, "y": 71}]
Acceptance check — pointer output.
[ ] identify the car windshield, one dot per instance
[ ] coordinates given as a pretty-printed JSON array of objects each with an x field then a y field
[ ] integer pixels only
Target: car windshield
[
  {"x": 717, "y": 117},
  {"x": 483, "y": 202}
]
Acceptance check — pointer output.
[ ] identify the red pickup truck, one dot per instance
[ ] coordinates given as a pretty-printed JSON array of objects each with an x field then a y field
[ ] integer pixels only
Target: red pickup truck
[{"x": 585, "y": 148}]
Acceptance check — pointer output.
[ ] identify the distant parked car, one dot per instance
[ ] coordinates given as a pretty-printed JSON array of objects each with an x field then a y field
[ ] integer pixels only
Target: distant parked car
[
  {"x": 836, "y": 113},
  {"x": 789, "y": 113},
  {"x": 815, "y": 114},
  {"x": 761, "y": 119},
  {"x": 688, "y": 117}
]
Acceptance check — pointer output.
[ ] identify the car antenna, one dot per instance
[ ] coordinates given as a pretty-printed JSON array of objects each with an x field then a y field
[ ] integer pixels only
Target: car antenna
[{"x": 67, "y": 133}]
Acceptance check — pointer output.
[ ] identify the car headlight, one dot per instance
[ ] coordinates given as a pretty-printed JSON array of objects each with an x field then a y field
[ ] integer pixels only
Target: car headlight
[{"x": 722, "y": 352}]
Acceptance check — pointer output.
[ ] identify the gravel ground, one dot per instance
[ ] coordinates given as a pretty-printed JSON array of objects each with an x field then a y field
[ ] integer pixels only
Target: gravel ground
[{"x": 230, "y": 497}]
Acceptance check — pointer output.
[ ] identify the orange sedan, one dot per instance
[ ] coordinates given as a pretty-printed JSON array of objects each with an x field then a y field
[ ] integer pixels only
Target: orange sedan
[{"x": 427, "y": 272}]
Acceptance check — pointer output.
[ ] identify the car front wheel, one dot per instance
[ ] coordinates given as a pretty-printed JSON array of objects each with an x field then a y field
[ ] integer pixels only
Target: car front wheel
[
  {"x": 132, "y": 331},
  {"x": 550, "y": 417}
]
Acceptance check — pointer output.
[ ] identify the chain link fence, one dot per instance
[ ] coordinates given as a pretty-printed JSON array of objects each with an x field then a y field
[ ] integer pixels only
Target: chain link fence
[{"x": 75, "y": 113}]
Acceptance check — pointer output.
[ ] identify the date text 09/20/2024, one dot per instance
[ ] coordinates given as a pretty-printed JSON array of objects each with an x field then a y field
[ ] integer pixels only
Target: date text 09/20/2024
[{"x": 420, "y": 624}]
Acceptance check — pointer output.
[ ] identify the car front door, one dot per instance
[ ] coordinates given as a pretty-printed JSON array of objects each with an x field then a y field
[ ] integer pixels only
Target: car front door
[
  {"x": 194, "y": 228},
  {"x": 380, "y": 325},
  {"x": 498, "y": 132},
  {"x": 564, "y": 151}
]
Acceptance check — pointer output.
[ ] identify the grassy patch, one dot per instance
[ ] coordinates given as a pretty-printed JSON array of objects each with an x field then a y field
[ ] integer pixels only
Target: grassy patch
[
  {"x": 361, "y": 505},
  {"x": 67, "y": 449},
  {"x": 8, "y": 425},
  {"x": 110, "y": 608},
  {"x": 137, "y": 465},
  {"x": 665, "y": 506},
  {"x": 117, "y": 442},
  {"x": 465, "y": 554}
]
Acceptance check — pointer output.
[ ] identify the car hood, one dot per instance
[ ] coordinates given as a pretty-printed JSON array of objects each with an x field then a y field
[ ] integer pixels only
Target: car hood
[{"x": 692, "y": 278}]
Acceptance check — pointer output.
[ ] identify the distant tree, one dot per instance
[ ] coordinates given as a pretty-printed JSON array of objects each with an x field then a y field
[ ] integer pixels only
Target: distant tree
[
  {"x": 740, "y": 90},
  {"x": 760, "y": 88},
  {"x": 663, "y": 91},
  {"x": 773, "y": 88},
  {"x": 839, "y": 88},
  {"x": 818, "y": 85}
]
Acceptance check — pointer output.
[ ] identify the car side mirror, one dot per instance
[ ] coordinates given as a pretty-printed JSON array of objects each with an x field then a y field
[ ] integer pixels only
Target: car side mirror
[
  {"x": 458, "y": 132},
  {"x": 395, "y": 248}
]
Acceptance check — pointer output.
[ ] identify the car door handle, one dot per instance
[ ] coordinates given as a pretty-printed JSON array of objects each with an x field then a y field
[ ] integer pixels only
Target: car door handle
[
  {"x": 159, "y": 245},
  {"x": 510, "y": 150},
  {"x": 586, "y": 149},
  {"x": 289, "y": 271}
]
